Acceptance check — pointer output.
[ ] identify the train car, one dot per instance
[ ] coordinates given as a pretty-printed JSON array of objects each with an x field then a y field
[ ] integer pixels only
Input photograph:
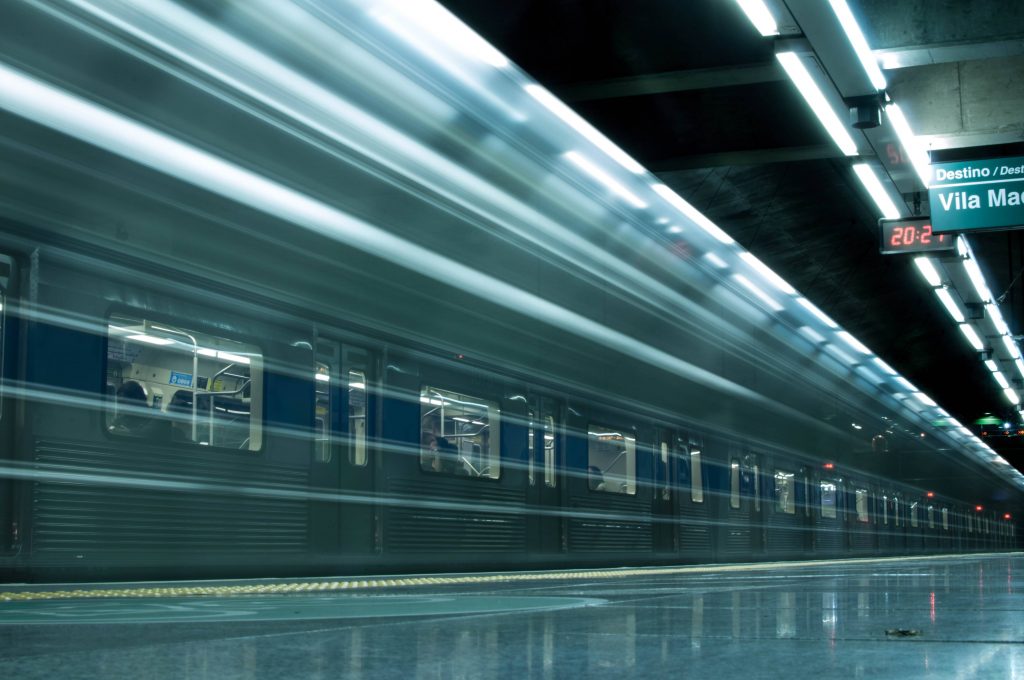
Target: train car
[{"x": 376, "y": 302}]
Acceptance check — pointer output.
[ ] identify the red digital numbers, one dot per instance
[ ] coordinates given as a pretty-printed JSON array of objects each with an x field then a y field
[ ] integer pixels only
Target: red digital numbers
[{"x": 909, "y": 235}]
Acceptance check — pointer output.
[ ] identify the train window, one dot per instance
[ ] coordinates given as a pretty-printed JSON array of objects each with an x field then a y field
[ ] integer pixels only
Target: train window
[
  {"x": 173, "y": 384},
  {"x": 785, "y": 500},
  {"x": 885, "y": 510},
  {"x": 696, "y": 476},
  {"x": 945, "y": 519},
  {"x": 531, "y": 442},
  {"x": 913, "y": 514},
  {"x": 459, "y": 434},
  {"x": 611, "y": 460},
  {"x": 550, "y": 452},
  {"x": 930, "y": 513},
  {"x": 828, "y": 500},
  {"x": 896, "y": 510},
  {"x": 861, "y": 503},
  {"x": 322, "y": 417},
  {"x": 734, "y": 485}
]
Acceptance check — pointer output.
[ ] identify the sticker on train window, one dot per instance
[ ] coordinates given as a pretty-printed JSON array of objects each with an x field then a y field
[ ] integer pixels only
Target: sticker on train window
[
  {"x": 172, "y": 384},
  {"x": 459, "y": 434},
  {"x": 611, "y": 459}
]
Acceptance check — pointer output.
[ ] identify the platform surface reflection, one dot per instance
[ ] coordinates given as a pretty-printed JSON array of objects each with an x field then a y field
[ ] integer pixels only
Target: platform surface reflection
[{"x": 955, "y": 617}]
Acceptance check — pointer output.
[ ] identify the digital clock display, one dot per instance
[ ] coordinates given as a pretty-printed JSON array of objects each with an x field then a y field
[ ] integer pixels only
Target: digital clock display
[{"x": 913, "y": 236}]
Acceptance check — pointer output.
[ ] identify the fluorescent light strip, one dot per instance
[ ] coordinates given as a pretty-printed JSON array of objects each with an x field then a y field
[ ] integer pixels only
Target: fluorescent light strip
[
  {"x": 840, "y": 354},
  {"x": 950, "y": 304},
  {"x": 928, "y": 271},
  {"x": 906, "y": 383},
  {"x": 884, "y": 366},
  {"x": 1012, "y": 396},
  {"x": 433, "y": 19},
  {"x": 151, "y": 339},
  {"x": 715, "y": 261},
  {"x": 812, "y": 335},
  {"x": 978, "y": 279},
  {"x": 972, "y": 336},
  {"x": 925, "y": 399},
  {"x": 575, "y": 121},
  {"x": 760, "y": 16},
  {"x": 692, "y": 213},
  {"x": 1020, "y": 366},
  {"x": 1011, "y": 346},
  {"x": 814, "y": 97},
  {"x": 1001, "y": 379},
  {"x": 853, "y": 342},
  {"x": 824, "y": 318},
  {"x": 604, "y": 178},
  {"x": 859, "y": 43},
  {"x": 768, "y": 273},
  {"x": 756, "y": 290},
  {"x": 879, "y": 195},
  {"x": 918, "y": 156},
  {"x": 991, "y": 365},
  {"x": 997, "y": 319}
]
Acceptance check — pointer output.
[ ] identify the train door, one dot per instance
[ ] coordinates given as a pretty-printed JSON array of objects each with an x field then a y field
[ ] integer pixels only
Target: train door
[
  {"x": 693, "y": 503},
  {"x": 343, "y": 459},
  {"x": 666, "y": 538},
  {"x": 545, "y": 483},
  {"x": 9, "y": 526}
]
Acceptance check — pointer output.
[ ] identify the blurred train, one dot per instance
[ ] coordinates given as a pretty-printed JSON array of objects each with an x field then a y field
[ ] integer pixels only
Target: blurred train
[{"x": 308, "y": 288}]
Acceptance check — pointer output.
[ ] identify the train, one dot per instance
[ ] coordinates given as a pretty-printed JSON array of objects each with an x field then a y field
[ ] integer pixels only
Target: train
[{"x": 295, "y": 288}]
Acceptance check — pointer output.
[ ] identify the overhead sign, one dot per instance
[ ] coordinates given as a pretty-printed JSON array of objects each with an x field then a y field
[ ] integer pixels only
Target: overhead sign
[
  {"x": 974, "y": 195},
  {"x": 913, "y": 235}
]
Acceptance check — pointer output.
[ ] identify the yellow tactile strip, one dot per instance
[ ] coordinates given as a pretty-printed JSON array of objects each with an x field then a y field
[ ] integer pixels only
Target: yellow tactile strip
[{"x": 411, "y": 581}]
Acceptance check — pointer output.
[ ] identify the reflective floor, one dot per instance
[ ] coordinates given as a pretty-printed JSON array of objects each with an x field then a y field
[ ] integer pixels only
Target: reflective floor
[{"x": 926, "y": 618}]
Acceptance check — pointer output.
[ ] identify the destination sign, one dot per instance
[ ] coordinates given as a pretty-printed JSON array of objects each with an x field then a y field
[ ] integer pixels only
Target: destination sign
[{"x": 975, "y": 195}]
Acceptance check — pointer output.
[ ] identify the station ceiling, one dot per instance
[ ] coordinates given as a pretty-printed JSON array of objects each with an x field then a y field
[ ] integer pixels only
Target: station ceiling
[{"x": 695, "y": 94}]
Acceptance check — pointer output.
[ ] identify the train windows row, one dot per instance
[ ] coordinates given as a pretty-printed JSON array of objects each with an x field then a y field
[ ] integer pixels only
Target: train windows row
[{"x": 173, "y": 384}]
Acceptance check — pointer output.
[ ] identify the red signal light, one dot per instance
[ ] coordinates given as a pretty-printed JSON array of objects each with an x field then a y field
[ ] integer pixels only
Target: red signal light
[
  {"x": 930, "y": 494},
  {"x": 829, "y": 466},
  {"x": 978, "y": 508},
  {"x": 1006, "y": 516}
]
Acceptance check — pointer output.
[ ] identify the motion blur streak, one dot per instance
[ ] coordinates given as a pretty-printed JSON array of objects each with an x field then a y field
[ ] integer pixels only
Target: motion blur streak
[
  {"x": 303, "y": 102},
  {"x": 42, "y": 103}
]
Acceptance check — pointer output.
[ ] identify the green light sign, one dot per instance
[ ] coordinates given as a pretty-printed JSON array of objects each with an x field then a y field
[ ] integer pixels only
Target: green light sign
[{"x": 973, "y": 195}]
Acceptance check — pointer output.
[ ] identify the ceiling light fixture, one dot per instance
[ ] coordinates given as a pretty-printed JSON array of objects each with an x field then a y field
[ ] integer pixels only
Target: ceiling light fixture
[
  {"x": 760, "y": 16},
  {"x": 604, "y": 178},
  {"x": 768, "y": 273},
  {"x": 814, "y": 97},
  {"x": 928, "y": 271},
  {"x": 822, "y": 316},
  {"x": 859, "y": 43},
  {"x": 918, "y": 156},
  {"x": 879, "y": 195},
  {"x": 947, "y": 300},
  {"x": 972, "y": 336},
  {"x": 759, "y": 292},
  {"x": 575, "y": 121},
  {"x": 695, "y": 215}
]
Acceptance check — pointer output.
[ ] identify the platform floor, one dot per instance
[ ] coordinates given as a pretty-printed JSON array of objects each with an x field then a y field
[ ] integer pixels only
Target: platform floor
[{"x": 950, "y": 617}]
